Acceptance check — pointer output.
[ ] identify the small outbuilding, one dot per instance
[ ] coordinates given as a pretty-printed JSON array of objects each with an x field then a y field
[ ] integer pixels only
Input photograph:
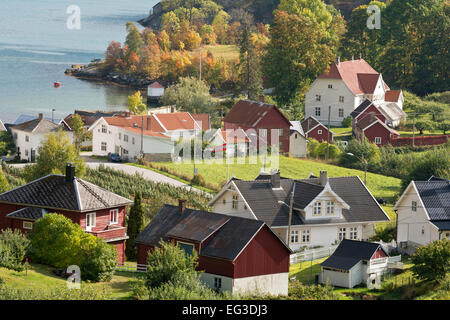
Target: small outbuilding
[
  {"x": 355, "y": 262},
  {"x": 155, "y": 91}
]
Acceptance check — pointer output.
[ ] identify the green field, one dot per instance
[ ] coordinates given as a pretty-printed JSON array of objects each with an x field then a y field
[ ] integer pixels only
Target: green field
[{"x": 379, "y": 185}]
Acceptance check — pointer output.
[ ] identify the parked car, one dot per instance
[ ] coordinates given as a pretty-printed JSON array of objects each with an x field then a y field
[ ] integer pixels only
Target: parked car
[{"x": 114, "y": 157}]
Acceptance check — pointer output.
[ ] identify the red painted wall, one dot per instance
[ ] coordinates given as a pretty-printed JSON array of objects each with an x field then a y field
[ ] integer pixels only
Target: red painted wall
[
  {"x": 319, "y": 137},
  {"x": 378, "y": 130},
  {"x": 378, "y": 254},
  {"x": 420, "y": 141},
  {"x": 142, "y": 253},
  {"x": 120, "y": 248},
  {"x": 374, "y": 110}
]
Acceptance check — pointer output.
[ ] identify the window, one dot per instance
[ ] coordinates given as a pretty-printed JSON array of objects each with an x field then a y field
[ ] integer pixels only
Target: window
[
  {"x": 295, "y": 136},
  {"x": 235, "y": 202},
  {"x": 120, "y": 136},
  {"x": 27, "y": 138},
  {"x": 103, "y": 148},
  {"x": 341, "y": 98},
  {"x": 342, "y": 233},
  {"x": 125, "y": 137},
  {"x": 423, "y": 230},
  {"x": 26, "y": 153},
  {"x": 27, "y": 225},
  {"x": 354, "y": 233},
  {"x": 245, "y": 207},
  {"x": 114, "y": 216},
  {"x": 90, "y": 221},
  {"x": 294, "y": 236},
  {"x": 224, "y": 201},
  {"x": 305, "y": 236},
  {"x": 341, "y": 113},
  {"x": 280, "y": 132},
  {"x": 181, "y": 134},
  {"x": 132, "y": 140},
  {"x": 330, "y": 86},
  {"x": 414, "y": 206},
  {"x": 217, "y": 283},
  {"x": 125, "y": 151},
  {"x": 318, "y": 97},
  {"x": 319, "y": 131},
  {"x": 104, "y": 129},
  {"x": 317, "y": 208},
  {"x": 378, "y": 140},
  {"x": 186, "y": 247},
  {"x": 330, "y": 207},
  {"x": 317, "y": 111}
]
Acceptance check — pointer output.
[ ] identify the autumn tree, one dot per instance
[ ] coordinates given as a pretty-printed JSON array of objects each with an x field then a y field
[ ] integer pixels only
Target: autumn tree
[
  {"x": 302, "y": 46},
  {"x": 136, "y": 103},
  {"x": 80, "y": 133}
]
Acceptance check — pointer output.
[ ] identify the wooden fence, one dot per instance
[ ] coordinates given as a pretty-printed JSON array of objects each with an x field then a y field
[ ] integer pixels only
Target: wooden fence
[
  {"x": 131, "y": 267},
  {"x": 312, "y": 254}
]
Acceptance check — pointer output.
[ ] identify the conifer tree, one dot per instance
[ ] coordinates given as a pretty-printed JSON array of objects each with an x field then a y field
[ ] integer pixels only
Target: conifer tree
[{"x": 135, "y": 225}]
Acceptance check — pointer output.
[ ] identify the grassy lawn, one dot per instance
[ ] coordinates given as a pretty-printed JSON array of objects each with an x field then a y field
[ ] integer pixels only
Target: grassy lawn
[
  {"x": 379, "y": 185},
  {"x": 345, "y": 131},
  {"x": 41, "y": 277}
]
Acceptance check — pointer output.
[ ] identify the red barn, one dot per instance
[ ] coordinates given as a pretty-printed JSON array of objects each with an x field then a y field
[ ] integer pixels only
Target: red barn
[
  {"x": 97, "y": 211},
  {"x": 316, "y": 130},
  {"x": 374, "y": 130},
  {"x": 236, "y": 254},
  {"x": 263, "y": 118}
]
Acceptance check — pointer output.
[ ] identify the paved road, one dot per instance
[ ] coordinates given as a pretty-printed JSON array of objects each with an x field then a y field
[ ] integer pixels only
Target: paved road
[{"x": 145, "y": 173}]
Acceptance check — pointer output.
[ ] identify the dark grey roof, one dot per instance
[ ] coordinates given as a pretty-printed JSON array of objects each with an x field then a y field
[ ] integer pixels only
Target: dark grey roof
[
  {"x": 363, "y": 106},
  {"x": 264, "y": 201},
  {"x": 38, "y": 126},
  {"x": 229, "y": 237},
  {"x": 433, "y": 178},
  {"x": 350, "y": 252},
  {"x": 435, "y": 196},
  {"x": 442, "y": 225},
  {"x": 54, "y": 192},
  {"x": 28, "y": 213}
]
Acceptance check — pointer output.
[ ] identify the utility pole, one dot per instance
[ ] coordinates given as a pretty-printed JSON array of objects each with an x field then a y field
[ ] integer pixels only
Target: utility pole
[
  {"x": 328, "y": 132},
  {"x": 291, "y": 205},
  {"x": 142, "y": 137},
  {"x": 414, "y": 129}
]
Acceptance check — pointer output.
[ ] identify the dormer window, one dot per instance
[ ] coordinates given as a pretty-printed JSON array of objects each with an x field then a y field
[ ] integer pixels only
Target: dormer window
[
  {"x": 317, "y": 208},
  {"x": 186, "y": 247},
  {"x": 414, "y": 206},
  {"x": 330, "y": 207},
  {"x": 235, "y": 202},
  {"x": 104, "y": 130}
]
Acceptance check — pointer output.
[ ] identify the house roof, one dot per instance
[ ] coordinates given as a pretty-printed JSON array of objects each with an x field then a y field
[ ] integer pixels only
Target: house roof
[
  {"x": 204, "y": 119},
  {"x": 156, "y": 85},
  {"x": 297, "y": 126},
  {"x": 358, "y": 75},
  {"x": 392, "y": 95},
  {"x": 174, "y": 121},
  {"x": 39, "y": 125},
  {"x": 392, "y": 111},
  {"x": 310, "y": 123},
  {"x": 89, "y": 117},
  {"x": 28, "y": 213},
  {"x": 370, "y": 119},
  {"x": 26, "y": 118},
  {"x": 227, "y": 235},
  {"x": 52, "y": 191},
  {"x": 360, "y": 109},
  {"x": 435, "y": 196},
  {"x": 249, "y": 113},
  {"x": 267, "y": 203},
  {"x": 350, "y": 252},
  {"x": 2, "y": 126}
]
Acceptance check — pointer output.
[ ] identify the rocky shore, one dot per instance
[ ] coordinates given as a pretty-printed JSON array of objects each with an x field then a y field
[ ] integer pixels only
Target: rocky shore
[{"x": 91, "y": 72}]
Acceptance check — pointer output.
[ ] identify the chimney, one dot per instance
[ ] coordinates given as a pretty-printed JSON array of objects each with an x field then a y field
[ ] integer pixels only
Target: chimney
[
  {"x": 41, "y": 116},
  {"x": 181, "y": 205},
  {"x": 275, "y": 180},
  {"x": 127, "y": 114},
  {"x": 70, "y": 172},
  {"x": 261, "y": 98},
  {"x": 323, "y": 178},
  {"x": 172, "y": 109}
]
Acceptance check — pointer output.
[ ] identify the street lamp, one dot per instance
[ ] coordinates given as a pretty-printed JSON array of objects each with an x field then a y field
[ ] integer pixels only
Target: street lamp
[{"x": 363, "y": 160}]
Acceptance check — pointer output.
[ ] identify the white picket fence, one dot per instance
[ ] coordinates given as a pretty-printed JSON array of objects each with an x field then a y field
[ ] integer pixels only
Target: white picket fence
[{"x": 312, "y": 254}]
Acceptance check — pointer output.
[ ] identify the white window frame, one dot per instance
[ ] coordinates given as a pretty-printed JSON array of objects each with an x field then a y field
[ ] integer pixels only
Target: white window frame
[
  {"x": 319, "y": 131},
  {"x": 317, "y": 208},
  {"x": 27, "y": 139},
  {"x": 317, "y": 111},
  {"x": 91, "y": 218},
  {"x": 187, "y": 244},
  {"x": 306, "y": 236},
  {"x": 330, "y": 86},
  {"x": 103, "y": 146},
  {"x": 104, "y": 129},
  {"x": 115, "y": 215},
  {"x": 318, "y": 97},
  {"x": 120, "y": 136},
  {"x": 125, "y": 137},
  {"x": 133, "y": 140},
  {"x": 280, "y": 132},
  {"x": 341, "y": 99},
  {"x": 414, "y": 206},
  {"x": 353, "y": 233},
  {"x": 341, "y": 113},
  {"x": 342, "y": 233},
  {"x": 28, "y": 225},
  {"x": 330, "y": 207},
  {"x": 377, "y": 140},
  {"x": 234, "y": 202},
  {"x": 294, "y": 236}
]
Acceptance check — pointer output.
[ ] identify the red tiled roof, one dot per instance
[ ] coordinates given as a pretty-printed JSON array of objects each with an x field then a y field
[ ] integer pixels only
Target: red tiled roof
[
  {"x": 175, "y": 121},
  {"x": 249, "y": 113},
  {"x": 359, "y": 76},
  {"x": 392, "y": 95},
  {"x": 156, "y": 85}
]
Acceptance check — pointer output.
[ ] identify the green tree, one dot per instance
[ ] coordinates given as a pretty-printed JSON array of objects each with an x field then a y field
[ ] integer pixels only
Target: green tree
[
  {"x": 13, "y": 249},
  {"x": 166, "y": 262},
  {"x": 432, "y": 262},
  {"x": 4, "y": 184},
  {"x": 100, "y": 261},
  {"x": 136, "y": 103},
  {"x": 80, "y": 133},
  {"x": 134, "y": 40},
  {"x": 333, "y": 151},
  {"x": 422, "y": 125},
  {"x": 357, "y": 153},
  {"x": 303, "y": 44},
  {"x": 53, "y": 155},
  {"x": 190, "y": 94},
  {"x": 134, "y": 226},
  {"x": 6, "y": 143}
]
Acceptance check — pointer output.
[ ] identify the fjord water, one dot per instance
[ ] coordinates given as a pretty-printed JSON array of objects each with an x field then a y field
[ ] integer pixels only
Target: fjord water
[{"x": 36, "y": 47}]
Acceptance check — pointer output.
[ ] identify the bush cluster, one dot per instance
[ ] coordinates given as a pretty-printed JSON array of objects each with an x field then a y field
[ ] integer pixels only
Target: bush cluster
[{"x": 13, "y": 249}]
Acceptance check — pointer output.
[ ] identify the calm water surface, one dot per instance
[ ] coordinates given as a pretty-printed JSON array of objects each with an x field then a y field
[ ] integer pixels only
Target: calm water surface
[{"x": 36, "y": 48}]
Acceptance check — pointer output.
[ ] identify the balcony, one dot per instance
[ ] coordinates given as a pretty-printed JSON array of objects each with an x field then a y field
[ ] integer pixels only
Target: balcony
[{"x": 111, "y": 233}]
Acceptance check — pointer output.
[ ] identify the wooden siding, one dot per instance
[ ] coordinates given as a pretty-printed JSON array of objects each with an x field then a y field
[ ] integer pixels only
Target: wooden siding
[
  {"x": 378, "y": 130},
  {"x": 319, "y": 137}
]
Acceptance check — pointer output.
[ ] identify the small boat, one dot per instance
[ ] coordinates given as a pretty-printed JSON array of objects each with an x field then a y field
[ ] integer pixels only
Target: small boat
[{"x": 57, "y": 84}]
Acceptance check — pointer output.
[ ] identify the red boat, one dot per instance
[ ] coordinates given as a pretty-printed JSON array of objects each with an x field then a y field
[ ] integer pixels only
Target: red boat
[{"x": 57, "y": 84}]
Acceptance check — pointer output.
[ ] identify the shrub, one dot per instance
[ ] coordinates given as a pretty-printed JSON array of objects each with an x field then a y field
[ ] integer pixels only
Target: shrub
[
  {"x": 311, "y": 146},
  {"x": 360, "y": 150},
  {"x": 333, "y": 151},
  {"x": 198, "y": 180},
  {"x": 432, "y": 262},
  {"x": 13, "y": 249},
  {"x": 385, "y": 233},
  {"x": 59, "y": 242},
  {"x": 347, "y": 122},
  {"x": 298, "y": 291}
]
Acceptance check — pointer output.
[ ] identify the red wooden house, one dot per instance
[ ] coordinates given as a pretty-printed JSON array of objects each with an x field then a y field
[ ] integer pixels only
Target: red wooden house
[
  {"x": 236, "y": 254},
  {"x": 97, "y": 211},
  {"x": 374, "y": 130},
  {"x": 263, "y": 118},
  {"x": 316, "y": 130}
]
